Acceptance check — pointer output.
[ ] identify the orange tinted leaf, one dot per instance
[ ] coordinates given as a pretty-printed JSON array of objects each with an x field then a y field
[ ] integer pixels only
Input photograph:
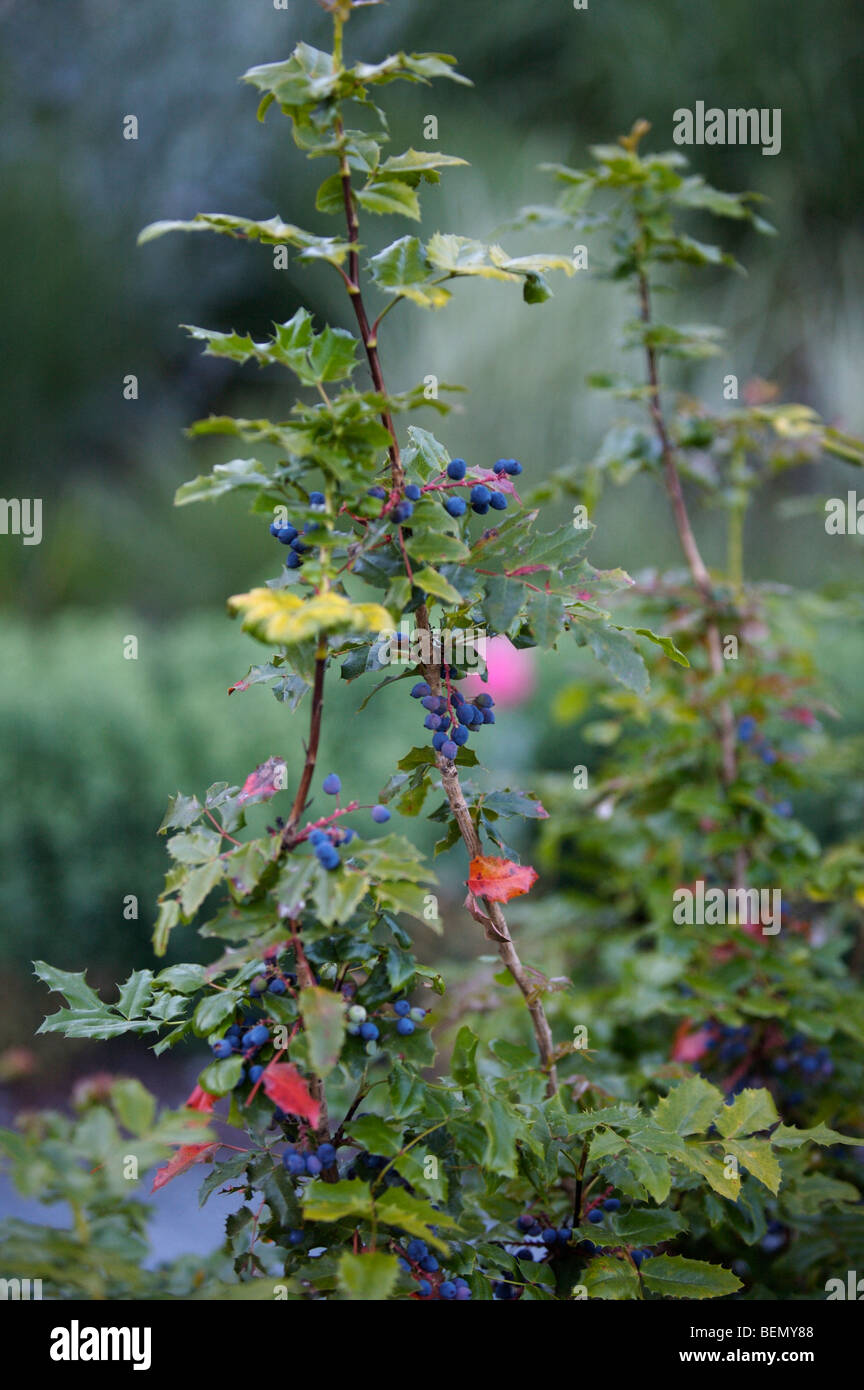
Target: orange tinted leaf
[
  {"x": 499, "y": 880},
  {"x": 287, "y": 1089},
  {"x": 200, "y": 1100},
  {"x": 185, "y": 1157}
]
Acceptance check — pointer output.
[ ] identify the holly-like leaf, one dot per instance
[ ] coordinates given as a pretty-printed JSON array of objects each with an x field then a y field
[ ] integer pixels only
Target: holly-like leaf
[
  {"x": 611, "y": 1278},
  {"x": 673, "y": 1276},
  {"x": 286, "y": 1088},
  {"x": 750, "y": 1111},
  {"x": 368, "y": 1277},
  {"x": 499, "y": 880},
  {"x": 689, "y": 1108},
  {"x": 278, "y": 617},
  {"x": 185, "y": 1158},
  {"x": 323, "y": 1014}
]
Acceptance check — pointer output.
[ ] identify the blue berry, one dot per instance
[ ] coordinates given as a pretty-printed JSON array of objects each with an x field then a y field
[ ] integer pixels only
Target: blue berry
[
  {"x": 380, "y": 814},
  {"x": 438, "y": 740},
  {"x": 402, "y": 1008},
  {"x": 316, "y": 499},
  {"x": 327, "y": 1154},
  {"x": 513, "y": 467},
  {"x": 549, "y": 1236},
  {"x": 241, "y": 1079},
  {"x": 369, "y": 1031},
  {"x": 484, "y": 701},
  {"x": 460, "y": 735},
  {"x": 420, "y": 690},
  {"x": 449, "y": 749},
  {"x": 498, "y": 501},
  {"x": 456, "y": 469},
  {"x": 257, "y": 1036},
  {"x": 293, "y": 561},
  {"x": 255, "y": 1072},
  {"x": 377, "y": 492},
  {"x": 480, "y": 496},
  {"x": 405, "y": 1026},
  {"x": 462, "y": 1292},
  {"x": 433, "y": 722},
  {"x": 294, "y": 1163},
  {"x": 447, "y": 1289},
  {"x": 525, "y": 1221},
  {"x": 746, "y": 728},
  {"x": 416, "y": 1249},
  {"x": 488, "y": 716},
  {"x": 424, "y": 1288},
  {"x": 313, "y": 1165},
  {"x": 222, "y": 1049},
  {"x": 595, "y": 1216},
  {"x": 564, "y": 1233},
  {"x": 287, "y": 534},
  {"x": 430, "y": 702},
  {"x": 318, "y": 836},
  {"x": 637, "y": 1257},
  {"x": 612, "y": 1204},
  {"x": 401, "y": 512},
  {"x": 295, "y": 1237},
  {"x": 456, "y": 506},
  {"x": 331, "y": 784},
  {"x": 412, "y": 492},
  {"x": 277, "y": 986},
  {"x": 429, "y": 1264}
]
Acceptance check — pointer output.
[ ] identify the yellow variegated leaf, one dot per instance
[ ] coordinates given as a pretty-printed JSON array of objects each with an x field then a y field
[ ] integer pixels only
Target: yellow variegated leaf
[{"x": 282, "y": 619}]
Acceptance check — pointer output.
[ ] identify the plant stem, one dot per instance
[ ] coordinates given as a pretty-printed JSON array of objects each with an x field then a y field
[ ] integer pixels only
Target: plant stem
[
  {"x": 696, "y": 564},
  {"x": 498, "y": 931},
  {"x": 312, "y": 746}
]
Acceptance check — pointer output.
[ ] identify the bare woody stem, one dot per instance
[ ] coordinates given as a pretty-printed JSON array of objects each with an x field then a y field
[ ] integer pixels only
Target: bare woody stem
[
  {"x": 496, "y": 928},
  {"x": 312, "y": 746},
  {"x": 696, "y": 564}
]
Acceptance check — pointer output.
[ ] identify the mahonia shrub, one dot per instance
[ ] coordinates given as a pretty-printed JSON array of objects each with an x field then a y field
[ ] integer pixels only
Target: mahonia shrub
[{"x": 360, "y": 1170}]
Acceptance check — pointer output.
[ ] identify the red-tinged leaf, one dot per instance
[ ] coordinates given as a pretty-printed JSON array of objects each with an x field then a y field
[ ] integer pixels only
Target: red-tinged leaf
[
  {"x": 690, "y": 1047},
  {"x": 185, "y": 1157},
  {"x": 286, "y": 1088},
  {"x": 499, "y": 880},
  {"x": 264, "y": 782},
  {"x": 527, "y": 569},
  {"x": 200, "y": 1100},
  {"x": 241, "y": 685}
]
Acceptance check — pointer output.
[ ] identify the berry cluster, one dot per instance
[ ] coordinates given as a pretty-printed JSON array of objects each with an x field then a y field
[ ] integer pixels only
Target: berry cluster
[
  {"x": 308, "y": 1163},
  {"x": 326, "y": 839},
  {"x": 417, "y": 1261},
  {"x": 760, "y": 1056},
  {"x": 360, "y": 1025},
  {"x": 400, "y": 507},
  {"x": 289, "y": 535},
  {"x": 246, "y": 1038},
  {"x": 450, "y": 717}
]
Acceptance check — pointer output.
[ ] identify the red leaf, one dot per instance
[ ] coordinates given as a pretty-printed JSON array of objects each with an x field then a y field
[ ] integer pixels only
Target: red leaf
[
  {"x": 267, "y": 779},
  {"x": 689, "y": 1047},
  {"x": 287, "y": 1089},
  {"x": 200, "y": 1100},
  {"x": 499, "y": 880},
  {"x": 185, "y": 1157}
]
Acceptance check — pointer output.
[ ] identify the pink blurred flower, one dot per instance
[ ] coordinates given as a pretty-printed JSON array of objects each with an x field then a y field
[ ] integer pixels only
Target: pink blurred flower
[{"x": 512, "y": 677}]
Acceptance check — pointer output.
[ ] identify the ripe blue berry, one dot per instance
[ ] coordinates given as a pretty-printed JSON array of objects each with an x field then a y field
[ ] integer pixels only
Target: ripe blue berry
[
  {"x": 424, "y": 1288},
  {"x": 513, "y": 467},
  {"x": 402, "y": 1008},
  {"x": 447, "y": 1289},
  {"x": 429, "y": 1264},
  {"x": 595, "y": 1216},
  {"x": 637, "y": 1257},
  {"x": 430, "y": 702},
  {"x": 277, "y": 986},
  {"x": 456, "y": 469},
  {"x": 401, "y": 512},
  {"x": 420, "y": 690},
  {"x": 318, "y": 836},
  {"x": 380, "y": 814},
  {"x": 480, "y": 494},
  {"x": 549, "y": 1236},
  {"x": 313, "y": 1165},
  {"x": 456, "y": 506},
  {"x": 222, "y": 1049},
  {"x": 433, "y": 722},
  {"x": 331, "y": 784},
  {"x": 416, "y": 1249},
  {"x": 316, "y": 499},
  {"x": 498, "y": 501},
  {"x": 287, "y": 534},
  {"x": 369, "y": 1031},
  {"x": 460, "y": 735},
  {"x": 462, "y": 1292},
  {"x": 500, "y": 465},
  {"x": 488, "y": 716},
  {"x": 327, "y": 1154},
  {"x": 564, "y": 1233},
  {"x": 294, "y": 1163},
  {"x": 412, "y": 492},
  {"x": 483, "y": 700},
  {"x": 438, "y": 740},
  {"x": 525, "y": 1221},
  {"x": 293, "y": 561},
  {"x": 612, "y": 1204},
  {"x": 449, "y": 749},
  {"x": 295, "y": 1237},
  {"x": 255, "y": 1072},
  {"x": 257, "y": 1036},
  {"x": 377, "y": 492},
  {"x": 405, "y": 1026},
  {"x": 746, "y": 728}
]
